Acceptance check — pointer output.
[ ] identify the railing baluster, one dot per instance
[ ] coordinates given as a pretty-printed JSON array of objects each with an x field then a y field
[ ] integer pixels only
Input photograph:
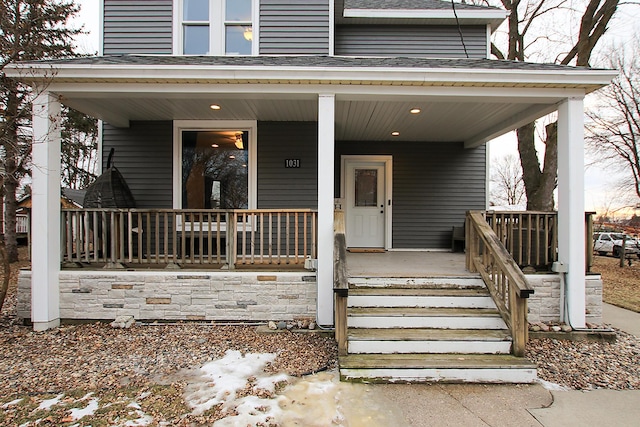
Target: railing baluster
[
  {"x": 244, "y": 237},
  {"x": 287, "y": 238},
  {"x": 279, "y": 247},
  {"x": 295, "y": 245},
  {"x": 261, "y": 237},
  {"x": 270, "y": 238},
  {"x": 314, "y": 227},
  {"x": 129, "y": 236},
  {"x": 253, "y": 237},
  {"x": 218, "y": 238}
]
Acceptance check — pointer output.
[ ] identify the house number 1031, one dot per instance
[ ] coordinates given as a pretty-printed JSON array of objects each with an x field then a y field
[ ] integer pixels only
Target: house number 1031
[{"x": 291, "y": 163}]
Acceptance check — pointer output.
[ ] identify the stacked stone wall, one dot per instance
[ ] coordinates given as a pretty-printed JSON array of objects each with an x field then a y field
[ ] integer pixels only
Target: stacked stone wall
[{"x": 233, "y": 296}]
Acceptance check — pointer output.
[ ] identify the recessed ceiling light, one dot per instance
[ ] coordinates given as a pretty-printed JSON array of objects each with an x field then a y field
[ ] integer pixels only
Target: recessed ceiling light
[
  {"x": 395, "y": 133},
  {"x": 232, "y": 156},
  {"x": 215, "y": 145},
  {"x": 215, "y": 107},
  {"x": 415, "y": 111}
]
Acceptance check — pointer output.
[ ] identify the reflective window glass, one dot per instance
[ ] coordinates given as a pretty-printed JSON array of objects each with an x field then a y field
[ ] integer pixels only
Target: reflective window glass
[
  {"x": 238, "y": 40},
  {"x": 238, "y": 10},
  {"x": 366, "y": 181},
  {"x": 215, "y": 170},
  {"x": 195, "y": 10},
  {"x": 196, "y": 40}
]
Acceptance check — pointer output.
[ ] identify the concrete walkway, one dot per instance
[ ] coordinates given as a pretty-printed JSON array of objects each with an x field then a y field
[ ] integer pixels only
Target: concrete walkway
[
  {"x": 597, "y": 407},
  {"x": 626, "y": 320},
  {"x": 470, "y": 405}
]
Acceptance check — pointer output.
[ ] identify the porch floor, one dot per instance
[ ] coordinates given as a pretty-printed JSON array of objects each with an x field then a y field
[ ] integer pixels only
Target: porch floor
[{"x": 407, "y": 264}]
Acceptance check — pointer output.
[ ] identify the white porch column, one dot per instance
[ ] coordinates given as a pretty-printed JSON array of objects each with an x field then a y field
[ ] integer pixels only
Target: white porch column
[
  {"x": 45, "y": 216},
  {"x": 571, "y": 228},
  {"x": 326, "y": 148}
]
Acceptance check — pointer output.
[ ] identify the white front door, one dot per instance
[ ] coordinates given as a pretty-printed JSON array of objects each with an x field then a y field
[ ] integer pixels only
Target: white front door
[{"x": 365, "y": 201}]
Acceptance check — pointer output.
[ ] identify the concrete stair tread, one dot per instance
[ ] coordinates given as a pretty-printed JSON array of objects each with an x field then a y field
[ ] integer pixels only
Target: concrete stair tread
[
  {"x": 427, "y": 334},
  {"x": 416, "y": 291},
  {"x": 422, "y": 312},
  {"x": 434, "y": 361}
]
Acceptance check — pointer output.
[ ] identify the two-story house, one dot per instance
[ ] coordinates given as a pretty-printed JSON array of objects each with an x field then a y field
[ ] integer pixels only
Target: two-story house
[{"x": 242, "y": 126}]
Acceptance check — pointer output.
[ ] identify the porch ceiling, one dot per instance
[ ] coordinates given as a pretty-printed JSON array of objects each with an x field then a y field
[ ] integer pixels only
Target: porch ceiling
[{"x": 467, "y": 119}]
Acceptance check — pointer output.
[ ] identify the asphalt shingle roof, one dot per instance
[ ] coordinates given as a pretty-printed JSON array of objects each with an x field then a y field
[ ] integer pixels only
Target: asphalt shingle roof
[
  {"x": 410, "y": 5},
  {"x": 155, "y": 61}
]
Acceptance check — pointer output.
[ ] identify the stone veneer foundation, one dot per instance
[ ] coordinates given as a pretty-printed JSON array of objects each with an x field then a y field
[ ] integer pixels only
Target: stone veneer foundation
[
  {"x": 158, "y": 295},
  {"x": 235, "y": 296},
  {"x": 544, "y": 304}
]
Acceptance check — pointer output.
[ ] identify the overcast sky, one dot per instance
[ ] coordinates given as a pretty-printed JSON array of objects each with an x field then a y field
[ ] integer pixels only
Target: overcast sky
[{"x": 598, "y": 193}]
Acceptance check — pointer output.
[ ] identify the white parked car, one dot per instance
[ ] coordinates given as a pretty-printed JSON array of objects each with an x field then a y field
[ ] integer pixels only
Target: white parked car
[{"x": 605, "y": 243}]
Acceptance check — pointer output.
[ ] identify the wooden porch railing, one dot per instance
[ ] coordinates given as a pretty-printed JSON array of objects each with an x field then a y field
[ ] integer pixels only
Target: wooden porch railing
[
  {"x": 340, "y": 281},
  {"x": 181, "y": 236},
  {"x": 507, "y": 285},
  {"x": 532, "y": 237}
]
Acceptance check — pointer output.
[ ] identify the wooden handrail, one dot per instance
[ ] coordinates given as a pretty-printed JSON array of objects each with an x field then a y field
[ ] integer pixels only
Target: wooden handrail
[
  {"x": 189, "y": 236},
  {"x": 340, "y": 281},
  {"x": 506, "y": 283}
]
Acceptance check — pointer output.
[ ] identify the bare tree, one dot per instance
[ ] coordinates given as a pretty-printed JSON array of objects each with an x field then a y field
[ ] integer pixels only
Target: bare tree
[
  {"x": 613, "y": 127},
  {"x": 507, "y": 185},
  {"x": 540, "y": 175},
  {"x": 29, "y": 30},
  {"x": 79, "y": 149}
]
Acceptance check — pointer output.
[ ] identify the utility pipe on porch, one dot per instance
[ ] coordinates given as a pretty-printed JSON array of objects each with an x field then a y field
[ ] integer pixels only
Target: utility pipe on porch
[
  {"x": 571, "y": 228},
  {"x": 45, "y": 268},
  {"x": 326, "y": 149}
]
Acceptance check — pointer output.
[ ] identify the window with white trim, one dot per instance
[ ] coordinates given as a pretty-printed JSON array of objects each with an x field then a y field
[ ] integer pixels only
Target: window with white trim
[
  {"x": 215, "y": 27},
  {"x": 214, "y": 164}
]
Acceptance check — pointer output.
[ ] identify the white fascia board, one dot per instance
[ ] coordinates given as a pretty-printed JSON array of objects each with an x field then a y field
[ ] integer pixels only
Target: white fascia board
[
  {"x": 488, "y": 14},
  {"x": 311, "y": 75},
  {"x": 345, "y": 92}
]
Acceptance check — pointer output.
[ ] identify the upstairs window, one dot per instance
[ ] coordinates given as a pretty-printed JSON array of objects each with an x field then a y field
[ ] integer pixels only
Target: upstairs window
[{"x": 215, "y": 27}]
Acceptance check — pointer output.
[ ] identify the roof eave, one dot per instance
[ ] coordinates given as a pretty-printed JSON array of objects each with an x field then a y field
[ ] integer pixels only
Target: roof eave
[
  {"x": 587, "y": 79},
  {"x": 493, "y": 17}
]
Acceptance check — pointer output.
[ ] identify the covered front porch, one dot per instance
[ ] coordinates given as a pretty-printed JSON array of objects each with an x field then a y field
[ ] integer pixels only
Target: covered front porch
[{"x": 325, "y": 108}]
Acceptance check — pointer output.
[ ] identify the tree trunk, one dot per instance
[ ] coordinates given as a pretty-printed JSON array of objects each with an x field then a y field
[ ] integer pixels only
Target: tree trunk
[
  {"x": 10, "y": 181},
  {"x": 4, "y": 285},
  {"x": 539, "y": 185}
]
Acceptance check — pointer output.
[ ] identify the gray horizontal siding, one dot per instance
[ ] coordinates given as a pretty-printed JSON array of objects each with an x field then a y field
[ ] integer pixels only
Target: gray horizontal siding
[
  {"x": 294, "y": 28},
  {"x": 279, "y": 187},
  {"x": 144, "y": 157},
  {"x": 138, "y": 27},
  {"x": 434, "y": 184},
  {"x": 410, "y": 40}
]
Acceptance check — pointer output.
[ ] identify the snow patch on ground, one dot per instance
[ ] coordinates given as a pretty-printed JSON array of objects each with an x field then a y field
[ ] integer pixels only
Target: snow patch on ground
[
  {"x": 142, "y": 420},
  {"x": 48, "y": 403},
  {"x": 90, "y": 409},
  {"x": 13, "y": 402},
  {"x": 222, "y": 379},
  {"x": 318, "y": 400}
]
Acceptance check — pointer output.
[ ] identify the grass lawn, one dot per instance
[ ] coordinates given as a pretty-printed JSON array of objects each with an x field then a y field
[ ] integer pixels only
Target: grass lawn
[{"x": 621, "y": 286}]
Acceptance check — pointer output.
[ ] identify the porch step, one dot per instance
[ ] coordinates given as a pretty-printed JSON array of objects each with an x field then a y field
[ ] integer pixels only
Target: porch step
[
  {"x": 424, "y": 317},
  {"x": 412, "y": 282},
  {"x": 432, "y": 329},
  {"x": 428, "y": 340},
  {"x": 420, "y": 297},
  {"x": 456, "y": 368}
]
